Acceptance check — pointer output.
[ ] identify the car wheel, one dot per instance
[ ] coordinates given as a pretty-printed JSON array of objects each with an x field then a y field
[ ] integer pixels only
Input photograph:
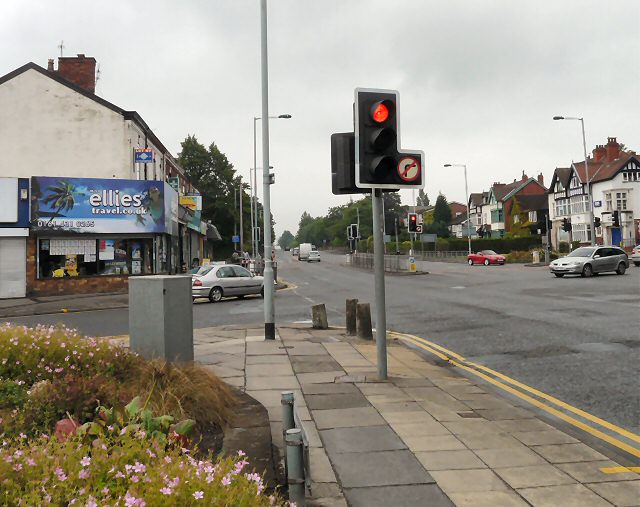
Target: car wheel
[
  {"x": 262, "y": 292},
  {"x": 559, "y": 275},
  {"x": 215, "y": 294},
  {"x": 637, "y": 264},
  {"x": 587, "y": 271},
  {"x": 470, "y": 261},
  {"x": 486, "y": 262},
  {"x": 622, "y": 267}
]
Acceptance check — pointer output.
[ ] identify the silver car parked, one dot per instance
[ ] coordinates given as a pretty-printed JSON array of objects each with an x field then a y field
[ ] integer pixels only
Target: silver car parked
[
  {"x": 590, "y": 260},
  {"x": 218, "y": 281}
]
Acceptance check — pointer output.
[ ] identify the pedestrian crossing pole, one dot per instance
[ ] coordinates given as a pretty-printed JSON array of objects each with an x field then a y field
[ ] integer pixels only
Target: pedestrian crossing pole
[{"x": 378, "y": 266}]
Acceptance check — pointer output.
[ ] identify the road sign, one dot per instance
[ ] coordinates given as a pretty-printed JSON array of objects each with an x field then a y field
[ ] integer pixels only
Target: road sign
[
  {"x": 174, "y": 182},
  {"x": 387, "y": 238},
  {"x": 408, "y": 169},
  {"x": 235, "y": 239},
  {"x": 597, "y": 204},
  {"x": 428, "y": 238},
  {"x": 419, "y": 229},
  {"x": 144, "y": 155},
  {"x": 413, "y": 267}
]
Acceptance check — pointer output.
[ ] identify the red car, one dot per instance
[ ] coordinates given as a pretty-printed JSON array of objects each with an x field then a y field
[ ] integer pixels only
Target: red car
[{"x": 486, "y": 257}]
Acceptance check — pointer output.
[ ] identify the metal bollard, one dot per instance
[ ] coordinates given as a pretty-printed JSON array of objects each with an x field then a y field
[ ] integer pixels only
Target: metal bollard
[
  {"x": 288, "y": 421},
  {"x": 295, "y": 470}
]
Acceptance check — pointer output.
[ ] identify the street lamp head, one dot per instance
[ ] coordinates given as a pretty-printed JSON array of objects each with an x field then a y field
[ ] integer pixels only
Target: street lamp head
[
  {"x": 558, "y": 117},
  {"x": 447, "y": 165},
  {"x": 286, "y": 116}
]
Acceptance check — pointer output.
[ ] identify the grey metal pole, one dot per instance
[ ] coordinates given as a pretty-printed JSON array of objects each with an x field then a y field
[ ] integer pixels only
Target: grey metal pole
[
  {"x": 269, "y": 293},
  {"x": 466, "y": 193},
  {"x": 254, "y": 197},
  {"x": 586, "y": 169},
  {"x": 378, "y": 255},
  {"x": 358, "y": 235},
  {"x": 295, "y": 465},
  {"x": 241, "y": 226}
]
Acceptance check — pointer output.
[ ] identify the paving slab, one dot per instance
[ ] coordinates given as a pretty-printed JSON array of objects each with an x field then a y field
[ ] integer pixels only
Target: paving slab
[
  {"x": 433, "y": 443},
  {"x": 397, "y": 496},
  {"x": 568, "y": 453},
  {"x": 384, "y": 468},
  {"x": 265, "y": 348},
  {"x": 552, "y": 436},
  {"x": 420, "y": 429},
  {"x": 465, "y": 481},
  {"x": 489, "y": 441},
  {"x": 472, "y": 427},
  {"x": 523, "y": 425},
  {"x": 407, "y": 417},
  {"x": 488, "y": 499},
  {"x": 319, "y": 465},
  {"x": 268, "y": 370},
  {"x": 347, "y": 417},
  {"x": 328, "y": 388},
  {"x": 621, "y": 494},
  {"x": 502, "y": 414},
  {"x": 589, "y": 471},
  {"x": 533, "y": 476},
  {"x": 569, "y": 495},
  {"x": 319, "y": 377},
  {"x": 283, "y": 382},
  {"x": 313, "y": 364},
  {"x": 328, "y": 401},
  {"x": 512, "y": 457},
  {"x": 268, "y": 359},
  {"x": 372, "y": 438},
  {"x": 449, "y": 460},
  {"x": 402, "y": 406}
]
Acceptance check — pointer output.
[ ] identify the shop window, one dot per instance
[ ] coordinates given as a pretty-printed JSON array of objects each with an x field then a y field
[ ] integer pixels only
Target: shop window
[
  {"x": 62, "y": 258},
  {"x": 125, "y": 256}
]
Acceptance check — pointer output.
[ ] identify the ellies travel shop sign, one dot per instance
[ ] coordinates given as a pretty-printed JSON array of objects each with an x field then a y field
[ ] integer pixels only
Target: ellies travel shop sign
[{"x": 99, "y": 205}]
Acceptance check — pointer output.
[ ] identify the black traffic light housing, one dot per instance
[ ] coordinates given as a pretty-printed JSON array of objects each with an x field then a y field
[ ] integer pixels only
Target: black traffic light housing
[
  {"x": 343, "y": 164},
  {"x": 412, "y": 222},
  {"x": 566, "y": 225},
  {"x": 379, "y": 161},
  {"x": 597, "y": 222},
  {"x": 615, "y": 218}
]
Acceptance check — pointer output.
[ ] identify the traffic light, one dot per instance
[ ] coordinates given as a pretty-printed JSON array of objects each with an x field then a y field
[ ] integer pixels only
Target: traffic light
[
  {"x": 615, "y": 218},
  {"x": 566, "y": 225},
  {"x": 413, "y": 222},
  {"x": 343, "y": 164},
  {"x": 379, "y": 161},
  {"x": 597, "y": 222},
  {"x": 353, "y": 232}
]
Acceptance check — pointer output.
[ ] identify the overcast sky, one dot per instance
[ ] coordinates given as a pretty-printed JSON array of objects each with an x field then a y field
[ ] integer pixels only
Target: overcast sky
[{"x": 479, "y": 80}]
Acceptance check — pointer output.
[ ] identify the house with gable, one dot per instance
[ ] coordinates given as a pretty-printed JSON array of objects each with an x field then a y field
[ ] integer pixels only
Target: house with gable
[{"x": 614, "y": 175}]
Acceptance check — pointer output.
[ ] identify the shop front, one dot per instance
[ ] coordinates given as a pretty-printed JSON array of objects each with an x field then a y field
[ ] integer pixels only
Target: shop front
[{"x": 89, "y": 235}]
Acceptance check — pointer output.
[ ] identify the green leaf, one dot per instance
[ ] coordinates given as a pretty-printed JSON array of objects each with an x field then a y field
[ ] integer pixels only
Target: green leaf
[
  {"x": 184, "y": 427},
  {"x": 134, "y": 407}
]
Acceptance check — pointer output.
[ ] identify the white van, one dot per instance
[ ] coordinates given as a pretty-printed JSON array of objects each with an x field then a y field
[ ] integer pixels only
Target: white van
[{"x": 305, "y": 248}]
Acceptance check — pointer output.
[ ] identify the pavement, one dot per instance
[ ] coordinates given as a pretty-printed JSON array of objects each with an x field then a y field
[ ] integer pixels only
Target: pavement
[
  {"x": 427, "y": 436},
  {"x": 19, "y": 307}
]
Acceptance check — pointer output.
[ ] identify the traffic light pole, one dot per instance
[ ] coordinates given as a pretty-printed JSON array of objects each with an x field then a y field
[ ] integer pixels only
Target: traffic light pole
[
  {"x": 269, "y": 293},
  {"x": 378, "y": 263}
]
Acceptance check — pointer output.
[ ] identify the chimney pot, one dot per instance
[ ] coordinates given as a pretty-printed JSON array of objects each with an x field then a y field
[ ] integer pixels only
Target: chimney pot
[
  {"x": 612, "y": 149},
  {"x": 50, "y": 65},
  {"x": 541, "y": 179}
]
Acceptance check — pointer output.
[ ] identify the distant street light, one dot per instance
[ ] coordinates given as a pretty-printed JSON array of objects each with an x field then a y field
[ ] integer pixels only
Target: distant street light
[
  {"x": 254, "y": 189},
  {"x": 586, "y": 169},
  {"x": 466, "y": 191}
]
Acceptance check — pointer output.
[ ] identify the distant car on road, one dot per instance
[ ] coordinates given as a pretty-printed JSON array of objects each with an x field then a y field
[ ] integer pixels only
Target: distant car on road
[
  {"x": 295, "y": 251},
  {"x": 218, "y": 281},
  {"x": 486, "y": 257},
  {"x": 287, "y": 248},
  {"x": 313, "y": 256},
  {"x": 591, "y": 260},
  {"x": 635, "y": 255}
]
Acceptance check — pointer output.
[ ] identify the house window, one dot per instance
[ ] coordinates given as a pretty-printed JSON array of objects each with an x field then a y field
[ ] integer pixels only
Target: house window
[
  {"x": 516, "y": 219},
  {"x": 533, "y": 216},
  {"x": 579, "y": 204},
  {"x": 621, "y": 201},
  {"x": 607, "y": 200},
  {"x": 562, "y": 207},
  {"x": 581, "y": 232}
]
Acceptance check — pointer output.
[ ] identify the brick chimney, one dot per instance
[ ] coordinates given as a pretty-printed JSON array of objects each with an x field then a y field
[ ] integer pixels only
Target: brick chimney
[
  {"x": 599, "y": 153},
  {"x": 613, "y": 149},
  {"x": 524, "y": 176},
  {"x": 541, "y": 179},
  {"x": 80, "y": 70}
]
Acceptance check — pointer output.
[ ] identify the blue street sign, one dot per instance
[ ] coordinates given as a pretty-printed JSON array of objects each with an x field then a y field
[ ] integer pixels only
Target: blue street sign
[
  {"x": 235, "y": 239},
  {"x": 144, "y": 156}
]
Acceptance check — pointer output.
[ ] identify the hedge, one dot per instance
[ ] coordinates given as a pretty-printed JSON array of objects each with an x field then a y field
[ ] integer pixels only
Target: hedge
[{"x": 499, "y": 245}]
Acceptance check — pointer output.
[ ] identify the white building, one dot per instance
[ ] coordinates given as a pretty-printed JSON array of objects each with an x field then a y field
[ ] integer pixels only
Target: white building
[{"x": 615, "y": 187}]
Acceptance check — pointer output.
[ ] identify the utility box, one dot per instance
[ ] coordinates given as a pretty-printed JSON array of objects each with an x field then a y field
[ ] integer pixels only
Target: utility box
[{"x": 161, "y": 317}]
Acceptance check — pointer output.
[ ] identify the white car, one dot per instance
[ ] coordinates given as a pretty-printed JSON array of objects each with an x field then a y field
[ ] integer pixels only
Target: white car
[
  {"x": 314, "y": 255},
  {"x": 215, "y": 282},
  {"x": 635, "y": 255}
]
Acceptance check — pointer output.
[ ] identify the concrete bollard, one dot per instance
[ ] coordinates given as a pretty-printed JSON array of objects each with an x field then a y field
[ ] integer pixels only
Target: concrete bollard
[
  {"x": 319, "y": 317},
  {"x": 295, "y": 466},
  {"x": 161, "y": 317},
  {"x": 363, "y": 318},
  {"x": 351, "y": 310}
]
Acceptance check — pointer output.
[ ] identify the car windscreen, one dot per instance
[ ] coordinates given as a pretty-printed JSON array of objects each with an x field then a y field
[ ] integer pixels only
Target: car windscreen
[
  {"x": 488, "y": 252},
  {"x": 203, "y": 270},
  {"x": 582, "y": 252}
]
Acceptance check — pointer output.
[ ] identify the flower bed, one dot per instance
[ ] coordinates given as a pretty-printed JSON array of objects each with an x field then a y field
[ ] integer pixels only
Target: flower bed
[{"x": 87, "y": 422}]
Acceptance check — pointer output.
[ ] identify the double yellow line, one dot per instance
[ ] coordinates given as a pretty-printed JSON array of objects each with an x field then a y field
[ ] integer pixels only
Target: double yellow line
[{"x": 492, "y": 377}]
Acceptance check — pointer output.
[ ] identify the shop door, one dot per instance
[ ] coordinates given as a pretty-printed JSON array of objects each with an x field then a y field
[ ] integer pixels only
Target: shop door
[
  {"x": 13, "y": 267},
  {"x": 616, "y": 236}
]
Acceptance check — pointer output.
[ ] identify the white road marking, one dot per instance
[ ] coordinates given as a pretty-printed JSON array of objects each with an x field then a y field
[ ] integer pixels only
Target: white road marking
[{"x": 459, "y": 287}]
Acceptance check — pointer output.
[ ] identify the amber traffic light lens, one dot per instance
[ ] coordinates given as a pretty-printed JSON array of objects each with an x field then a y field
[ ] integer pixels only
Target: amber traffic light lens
[{"x": 380, "y": 112}]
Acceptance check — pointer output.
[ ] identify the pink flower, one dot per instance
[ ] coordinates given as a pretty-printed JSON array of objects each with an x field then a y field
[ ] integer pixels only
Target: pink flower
[
  {"x": 92, "y": 502},
  {"x": 166, "y": 491},
  {"x": 135, "y": 478},
  {"x": 167, "y": 459},
  {"x": 139, "y": 468},
  {"x": 83, "y": 474},
  {"x": 241, "y": 453},
  {"x": 86, "y": 461},
  {"x": 17, "y": 467},
  {"x": 198, "y": 495},
  {"x": 226, "y": 480}
]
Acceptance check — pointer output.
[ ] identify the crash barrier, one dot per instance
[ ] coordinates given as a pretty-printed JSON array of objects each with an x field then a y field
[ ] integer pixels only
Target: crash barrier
[
  {"x": 296, "y": 454},
  {"x": 365, "y": 260}
]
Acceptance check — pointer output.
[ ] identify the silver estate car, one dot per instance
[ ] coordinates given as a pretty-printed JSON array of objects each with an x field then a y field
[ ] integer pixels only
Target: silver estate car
[
  {"x": 218, "y": 281},
  {"x": 590, "y": 260}
]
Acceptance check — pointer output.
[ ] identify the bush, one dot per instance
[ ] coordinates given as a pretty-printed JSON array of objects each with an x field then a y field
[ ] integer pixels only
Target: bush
[
  {"x": 12, "y": 394},
  {"x": 521, "y": 256},
  {"x": 126, "y": 470},
  {"x": 563, "y": 247},
  {"x": 499, "y": 245}
]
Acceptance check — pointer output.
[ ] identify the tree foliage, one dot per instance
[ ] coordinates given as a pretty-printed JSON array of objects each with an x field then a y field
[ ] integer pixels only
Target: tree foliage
[
  {"x": 286, "y": 240},
  {"x": 441, "y": 218},
  {"x": 422, "y": 199}
]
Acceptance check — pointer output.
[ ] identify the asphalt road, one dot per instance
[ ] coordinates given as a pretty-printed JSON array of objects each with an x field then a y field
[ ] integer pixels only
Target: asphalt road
[{"x": 576, "y": 339}]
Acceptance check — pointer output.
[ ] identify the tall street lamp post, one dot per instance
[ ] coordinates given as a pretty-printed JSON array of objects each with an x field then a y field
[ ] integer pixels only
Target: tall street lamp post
[
  {"x": 254, "y": 187},
  {"x": 466, "y": 192},
  {"x": 586, "y": 170}
]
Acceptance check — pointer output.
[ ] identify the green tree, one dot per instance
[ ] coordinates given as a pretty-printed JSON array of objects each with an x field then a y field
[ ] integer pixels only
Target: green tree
[
  {"x": 422, "y": 199},
  {"x": 286, "y": 240},
  {"x": 519, "y": 226},
  {"x": 441, "y": 218}
]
